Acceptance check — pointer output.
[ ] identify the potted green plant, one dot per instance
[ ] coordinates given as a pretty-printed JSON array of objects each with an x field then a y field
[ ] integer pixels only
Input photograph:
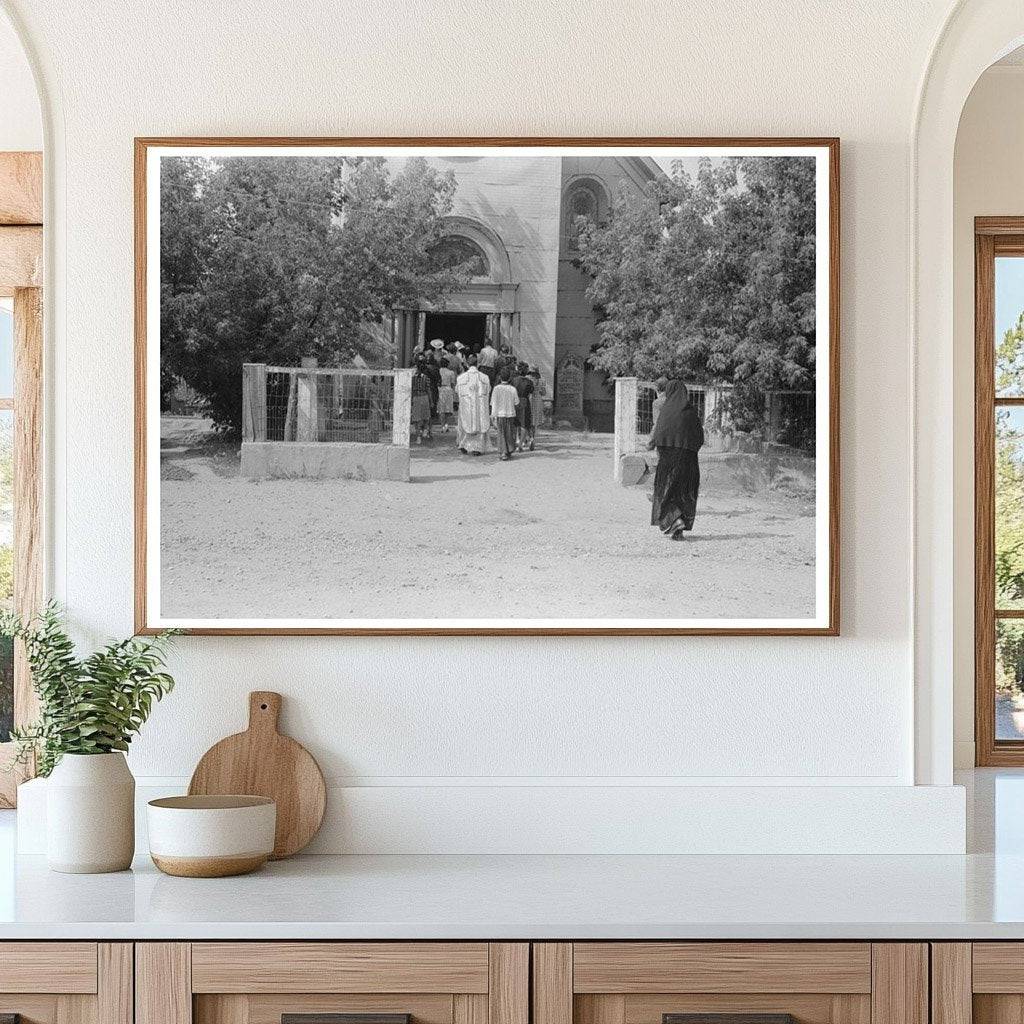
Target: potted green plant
[{"x": 89, "y": 710}]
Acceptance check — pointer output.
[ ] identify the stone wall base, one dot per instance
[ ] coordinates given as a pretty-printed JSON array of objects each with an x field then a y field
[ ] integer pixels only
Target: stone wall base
[{"x": 324, "y": 460}]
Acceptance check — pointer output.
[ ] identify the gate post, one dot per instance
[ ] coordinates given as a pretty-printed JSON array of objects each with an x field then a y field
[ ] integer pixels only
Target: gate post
[
  {"x": 308, "y": 423},
  {"x": 401, "y": 412},
  {"x": 625, "y": 421},
  {"x": 254, "y": 402}
]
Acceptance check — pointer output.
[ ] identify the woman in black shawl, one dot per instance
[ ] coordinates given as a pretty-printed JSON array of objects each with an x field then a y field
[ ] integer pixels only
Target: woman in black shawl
[
  {"x": 523, "y": 384},
  {"x": 678, "y": 435}
]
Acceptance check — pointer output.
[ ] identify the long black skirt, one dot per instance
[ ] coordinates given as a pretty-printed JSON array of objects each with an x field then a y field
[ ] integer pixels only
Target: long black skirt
[
  {"x": 676, "y": 484},
  {"x": 524, "y": 413}
]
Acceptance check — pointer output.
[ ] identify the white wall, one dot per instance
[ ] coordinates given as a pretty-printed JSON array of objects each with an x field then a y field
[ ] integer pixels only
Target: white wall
[
  {"x": 988, "y": 181},
  {"x": 21, "y": 125},
  {"x": 443, "y": 713}
]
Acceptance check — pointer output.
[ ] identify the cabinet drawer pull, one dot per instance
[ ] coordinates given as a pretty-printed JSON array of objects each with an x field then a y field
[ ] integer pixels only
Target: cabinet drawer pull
[
  {"x": 728, "y": 1018},
  {"x": 339, "y": 1018}
]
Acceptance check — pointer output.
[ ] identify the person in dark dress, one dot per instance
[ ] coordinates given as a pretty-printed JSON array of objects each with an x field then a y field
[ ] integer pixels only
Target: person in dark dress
[
  {"x": 419, "y": 416},
  {"x": 523, "y": 384},
  {"x": 678, "y": 435},
  {"x": 432, "y": 368}
]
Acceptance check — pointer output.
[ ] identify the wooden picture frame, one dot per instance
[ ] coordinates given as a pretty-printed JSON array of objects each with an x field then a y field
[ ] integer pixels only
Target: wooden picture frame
[{"x": 826, "y": 622}]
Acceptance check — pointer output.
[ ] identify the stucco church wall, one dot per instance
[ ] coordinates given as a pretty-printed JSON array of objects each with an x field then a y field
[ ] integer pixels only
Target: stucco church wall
[
  {"x": 575, "y": 328},
  {"x": 520, "y": 201}
]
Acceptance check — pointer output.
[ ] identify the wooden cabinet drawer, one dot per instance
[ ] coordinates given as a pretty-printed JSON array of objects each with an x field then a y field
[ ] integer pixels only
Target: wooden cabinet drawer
[
  {"x": 722, "y": 967},
  {"x": 814, "y": 982},
  {"x": 981, "y": 982},
  {"x": 48, "y": 967},
  {"x": 997, "y": 968},
  {"x": 259, "y": 982},
  {"x": 66, "y": 982},
  {"x": 340, "y": 967}
]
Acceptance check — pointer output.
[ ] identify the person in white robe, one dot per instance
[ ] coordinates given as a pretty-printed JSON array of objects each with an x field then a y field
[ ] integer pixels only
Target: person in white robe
[{"x": 472, "y": 432}]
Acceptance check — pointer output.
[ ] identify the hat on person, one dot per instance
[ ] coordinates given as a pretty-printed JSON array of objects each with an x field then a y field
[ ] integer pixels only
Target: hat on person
[
  {"x": 437, "y": 343},
  {"x": 459, "y": 346}
]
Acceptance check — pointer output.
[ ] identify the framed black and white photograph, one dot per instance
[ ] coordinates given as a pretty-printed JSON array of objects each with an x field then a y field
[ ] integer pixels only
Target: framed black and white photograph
[{"x": 490, "y": 386}]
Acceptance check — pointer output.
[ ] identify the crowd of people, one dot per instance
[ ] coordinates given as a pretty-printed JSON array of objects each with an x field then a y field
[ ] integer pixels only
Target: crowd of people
[
  {"x": 479, "y": 388},
  {"x": 483, "y": 389}
]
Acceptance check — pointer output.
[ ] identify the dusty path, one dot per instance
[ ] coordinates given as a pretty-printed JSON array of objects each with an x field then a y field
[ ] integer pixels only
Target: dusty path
[{"x": 548, "y": 535}]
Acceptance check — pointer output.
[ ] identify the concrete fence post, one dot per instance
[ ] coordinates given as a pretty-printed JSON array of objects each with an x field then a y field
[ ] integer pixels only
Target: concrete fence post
[
  {"x": 254, "y": 402},
  {"x": 770, "y": 405},
  {"x": 307, "y": 427},
  {"x": 401, "y": 413},
  {"x": 625, "y": 421}
]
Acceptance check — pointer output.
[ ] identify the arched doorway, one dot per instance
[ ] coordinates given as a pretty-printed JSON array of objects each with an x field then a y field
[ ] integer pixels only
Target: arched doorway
[{"x": 485, "y": 308}]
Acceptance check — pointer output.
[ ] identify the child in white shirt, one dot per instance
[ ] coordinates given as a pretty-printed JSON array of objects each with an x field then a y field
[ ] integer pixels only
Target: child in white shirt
[{"x": 504, "y": 400}]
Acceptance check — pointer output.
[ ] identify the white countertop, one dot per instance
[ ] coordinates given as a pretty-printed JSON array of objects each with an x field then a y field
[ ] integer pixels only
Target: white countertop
[
  {"x": 978, "y": 896},
  {"x": 532, "y": 897}
]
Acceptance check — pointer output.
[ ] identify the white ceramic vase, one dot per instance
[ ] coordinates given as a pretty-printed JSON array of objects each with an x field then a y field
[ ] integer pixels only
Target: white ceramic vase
[{"x": 90, "y": 814}]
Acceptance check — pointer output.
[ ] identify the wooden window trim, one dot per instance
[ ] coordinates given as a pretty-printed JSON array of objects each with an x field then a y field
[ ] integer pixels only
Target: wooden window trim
[
  {"x": 21, "y": 251},
  {"x": 993, "y": 236}
]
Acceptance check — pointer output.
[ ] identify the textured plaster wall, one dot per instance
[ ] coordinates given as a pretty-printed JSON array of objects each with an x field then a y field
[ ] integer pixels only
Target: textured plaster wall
[
  {"x": 730, "y": 711},
  {"x": 21, "y": 125}
]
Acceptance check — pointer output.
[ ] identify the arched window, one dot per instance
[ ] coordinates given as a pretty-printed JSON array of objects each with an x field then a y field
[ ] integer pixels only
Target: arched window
[
  {"x": 584, "y": 201},
  {"x": 458, "y": 252}
]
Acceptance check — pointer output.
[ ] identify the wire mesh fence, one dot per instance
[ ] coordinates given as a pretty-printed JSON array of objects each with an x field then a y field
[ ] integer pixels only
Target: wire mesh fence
[
  {"x": 646, "y": 396},
  {"x": 649, "y": 400},
  {"x": 773, "y": 418},
  {"x": 326, "y": 404},
  {"x": 791, "y": 418},
  {"x": 788, "y": 417}
]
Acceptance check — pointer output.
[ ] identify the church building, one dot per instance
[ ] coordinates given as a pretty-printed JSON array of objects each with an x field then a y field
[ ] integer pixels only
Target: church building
[{"x": 515, "y": 218}]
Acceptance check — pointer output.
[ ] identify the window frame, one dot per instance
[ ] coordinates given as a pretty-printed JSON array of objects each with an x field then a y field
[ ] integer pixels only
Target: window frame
[
  {"x": 993, "y": 237},
  {"x": 26, "y": 403},
  {"x": 21, "y": 271}
]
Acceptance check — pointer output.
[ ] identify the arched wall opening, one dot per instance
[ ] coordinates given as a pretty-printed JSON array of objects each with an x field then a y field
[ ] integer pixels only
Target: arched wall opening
[
  {"x": 976, "y": 34},
  {"x": 987, "y": 182}
]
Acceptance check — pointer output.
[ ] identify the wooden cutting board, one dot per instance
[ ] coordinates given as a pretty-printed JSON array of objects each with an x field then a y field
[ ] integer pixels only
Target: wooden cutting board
[{"x": 262, "y": 762}]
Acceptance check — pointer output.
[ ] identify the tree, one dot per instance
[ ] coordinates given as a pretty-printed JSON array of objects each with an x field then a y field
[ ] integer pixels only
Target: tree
[
  {"x": 1009, "y": 508},
  {"x": 711, "y": 277},
  {"x": 269, "y": 259},
  {"x": 1010, "y": 360},
  {"x": 1009, "y": 472},
  {"x": 186, "y": 242}
]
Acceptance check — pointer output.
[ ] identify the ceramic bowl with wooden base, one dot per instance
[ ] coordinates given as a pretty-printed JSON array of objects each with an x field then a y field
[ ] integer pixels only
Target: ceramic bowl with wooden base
[{"x": 211, "y": 836}]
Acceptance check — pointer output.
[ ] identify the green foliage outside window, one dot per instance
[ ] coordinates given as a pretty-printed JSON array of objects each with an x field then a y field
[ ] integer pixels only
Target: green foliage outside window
[
  {"x": 1009, "y": 509},
  {"x": 1009, "y": 473}
]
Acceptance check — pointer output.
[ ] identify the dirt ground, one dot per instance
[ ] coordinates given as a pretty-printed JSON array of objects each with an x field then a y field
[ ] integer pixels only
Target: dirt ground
[{"x": 548, "y": 535}]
